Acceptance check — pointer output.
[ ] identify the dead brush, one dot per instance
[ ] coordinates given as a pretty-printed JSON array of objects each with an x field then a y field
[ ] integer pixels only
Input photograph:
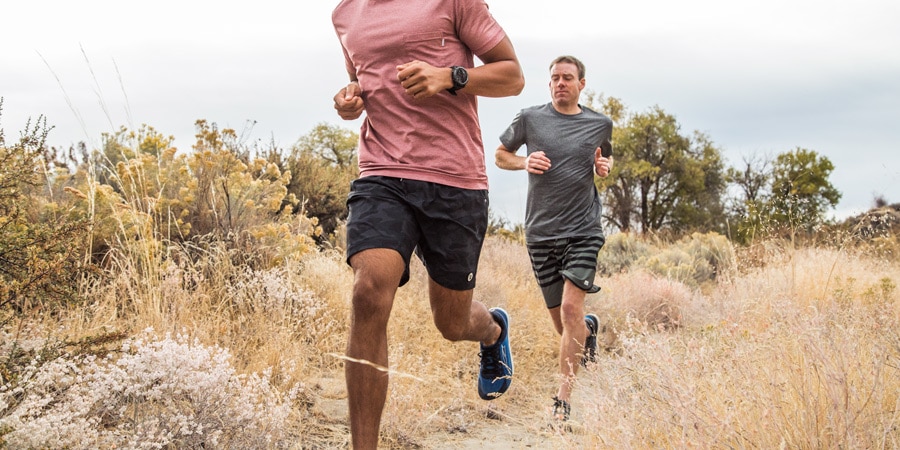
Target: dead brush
[{"x": 794, "y": 354}]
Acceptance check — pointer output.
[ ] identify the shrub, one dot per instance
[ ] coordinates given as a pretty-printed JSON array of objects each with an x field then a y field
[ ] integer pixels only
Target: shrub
[
  {"x": 322, "y": 188},
  {"x": 142, "y": 196},
  {"x": 715, "y": 250},
  {"x": 650, "y": 302},
  {"x": 40, "y": 249},
  {"x": 695, "y": 259},
  {"x": 159, "y": 393},
  {"x": 620, "y": 252},
  {"x": 676, "y": 264}
]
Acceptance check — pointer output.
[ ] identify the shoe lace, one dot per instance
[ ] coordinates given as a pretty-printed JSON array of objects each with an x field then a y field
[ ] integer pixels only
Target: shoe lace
[{"x": 490, "y": 362}]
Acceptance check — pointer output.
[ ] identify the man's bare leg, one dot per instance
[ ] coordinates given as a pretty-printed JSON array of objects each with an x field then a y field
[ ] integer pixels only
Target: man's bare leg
[
  {"x": 569, "y": 317},
  {"x": 377, "y": 275},
  {"x": 459, "y": 318}
]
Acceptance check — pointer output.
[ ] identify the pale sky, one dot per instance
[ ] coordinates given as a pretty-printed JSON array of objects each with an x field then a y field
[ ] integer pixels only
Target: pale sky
[{"x": 759, "y": 77}]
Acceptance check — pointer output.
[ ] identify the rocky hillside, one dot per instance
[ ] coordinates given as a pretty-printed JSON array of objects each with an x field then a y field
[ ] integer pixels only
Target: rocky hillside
[{"x": 877, "y": 222}]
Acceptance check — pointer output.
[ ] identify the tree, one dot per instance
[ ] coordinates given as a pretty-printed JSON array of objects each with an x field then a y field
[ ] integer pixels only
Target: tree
[
  {"x": 702, "y": 186},
  {"x": 330, "y": 143},
  {"x": 752, "y": 178},
  {"x": 662, "y": 180},
  {"x": 753, "y": 181},
  {"x": 801, "y": 192},
  {"x": 791, "y": 192},
  {"x": 322, "y": 165}
]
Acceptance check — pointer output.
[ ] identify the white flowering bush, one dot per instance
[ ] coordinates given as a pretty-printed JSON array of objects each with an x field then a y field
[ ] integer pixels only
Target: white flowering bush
[
  {"x": 157, "y": 393},
  {"x": 281, "y": 296}
]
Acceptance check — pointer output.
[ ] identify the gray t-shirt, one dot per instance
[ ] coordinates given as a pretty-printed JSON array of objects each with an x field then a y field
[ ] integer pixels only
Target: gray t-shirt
[{"x": 563, "y": 201}]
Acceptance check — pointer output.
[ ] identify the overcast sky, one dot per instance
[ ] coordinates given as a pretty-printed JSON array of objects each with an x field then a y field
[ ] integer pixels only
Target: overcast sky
[{"x": 762, "y": 77}]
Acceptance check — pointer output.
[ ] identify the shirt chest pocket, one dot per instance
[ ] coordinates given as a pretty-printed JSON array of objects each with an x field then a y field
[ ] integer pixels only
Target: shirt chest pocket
[{"x": 434, "y": 47}]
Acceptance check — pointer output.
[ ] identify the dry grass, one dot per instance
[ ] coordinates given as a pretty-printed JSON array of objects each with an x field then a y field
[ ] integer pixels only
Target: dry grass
[
  {"x": 801, "y": 353},
  {"x": 798, "y": 350}
]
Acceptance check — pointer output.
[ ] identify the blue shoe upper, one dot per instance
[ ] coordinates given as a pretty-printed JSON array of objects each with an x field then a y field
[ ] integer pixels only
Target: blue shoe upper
[{"x": 496, "y": 371}]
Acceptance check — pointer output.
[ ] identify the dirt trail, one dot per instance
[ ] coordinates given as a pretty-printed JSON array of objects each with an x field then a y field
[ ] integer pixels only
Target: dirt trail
[{"x": 508, "y": 429}]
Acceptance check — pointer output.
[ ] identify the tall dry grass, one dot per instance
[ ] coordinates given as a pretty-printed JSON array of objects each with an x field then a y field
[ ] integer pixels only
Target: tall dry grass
[
  {"x": 797, "y": 350},
  {"x": 800, "y": 353}
]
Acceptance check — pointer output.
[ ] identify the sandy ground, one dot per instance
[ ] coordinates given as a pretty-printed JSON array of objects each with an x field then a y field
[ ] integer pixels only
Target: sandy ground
[{"x": 510, "y": 429}]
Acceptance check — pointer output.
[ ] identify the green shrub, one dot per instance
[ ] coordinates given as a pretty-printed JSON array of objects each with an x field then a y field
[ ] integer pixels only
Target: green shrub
[
  {"x": 620, "y": 252},
  {"x": 141, "y": 195},
  {"x": 40, "y": 250},
  {"x": 322, "y": 165},
  {"x": 714, "y": 249},
  {"x": 676, "y": 264},
  {"x": 693, "y": 260}
]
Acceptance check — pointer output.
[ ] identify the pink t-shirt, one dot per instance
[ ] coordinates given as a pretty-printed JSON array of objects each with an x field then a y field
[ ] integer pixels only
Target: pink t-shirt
[{"x": 437, "y": 139}]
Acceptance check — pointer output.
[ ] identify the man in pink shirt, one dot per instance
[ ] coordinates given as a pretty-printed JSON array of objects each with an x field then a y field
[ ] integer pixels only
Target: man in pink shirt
[{"x": 423, "y": 182}]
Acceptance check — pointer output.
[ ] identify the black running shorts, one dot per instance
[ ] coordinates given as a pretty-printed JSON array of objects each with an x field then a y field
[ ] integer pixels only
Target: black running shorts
[{"x": 444, "y": 225}]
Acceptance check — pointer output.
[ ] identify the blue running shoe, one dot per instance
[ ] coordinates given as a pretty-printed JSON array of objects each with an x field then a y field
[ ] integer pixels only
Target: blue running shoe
[
  {"x": 590, "y": 344},
  {"x": 496, "y": 371}
]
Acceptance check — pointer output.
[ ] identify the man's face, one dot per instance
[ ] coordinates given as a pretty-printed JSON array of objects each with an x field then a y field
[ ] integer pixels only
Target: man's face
[{"x": 565, "y": 86}]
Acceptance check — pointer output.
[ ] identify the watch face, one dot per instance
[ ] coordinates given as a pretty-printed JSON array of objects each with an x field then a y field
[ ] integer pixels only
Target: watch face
[{"x": 460, "y": 76}]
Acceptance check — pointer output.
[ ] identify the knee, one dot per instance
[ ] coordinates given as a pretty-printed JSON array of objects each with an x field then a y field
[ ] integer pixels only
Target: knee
[
  {"x": 371, "y": 300},
  {"x": 571, "y": 315}
]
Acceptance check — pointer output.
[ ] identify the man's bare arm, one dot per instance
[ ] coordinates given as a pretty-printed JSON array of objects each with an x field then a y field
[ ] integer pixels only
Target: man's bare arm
[
  {"x": 536, "y": 162},
  {"x": 499, "y": 76}
]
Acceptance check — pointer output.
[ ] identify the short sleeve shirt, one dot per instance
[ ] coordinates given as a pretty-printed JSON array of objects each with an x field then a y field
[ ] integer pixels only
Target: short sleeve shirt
[
  {"x": 437, "y": 139},
  {"x": 562, "y": 202}
]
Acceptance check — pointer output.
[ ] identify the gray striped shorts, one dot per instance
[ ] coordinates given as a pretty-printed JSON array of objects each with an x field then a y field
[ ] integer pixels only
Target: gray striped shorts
[{"x": 557, "y": 260}]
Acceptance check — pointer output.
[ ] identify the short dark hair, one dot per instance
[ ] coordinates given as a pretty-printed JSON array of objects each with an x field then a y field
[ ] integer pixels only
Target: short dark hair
[{"x": 571, "y": 60}]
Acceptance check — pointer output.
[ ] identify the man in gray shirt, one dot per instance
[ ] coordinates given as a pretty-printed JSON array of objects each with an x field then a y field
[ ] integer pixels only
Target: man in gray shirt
[{"x": 566, "y": 145}]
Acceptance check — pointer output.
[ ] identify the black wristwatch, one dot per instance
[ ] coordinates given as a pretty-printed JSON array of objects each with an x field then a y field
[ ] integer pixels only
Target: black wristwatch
[{"x": 460, "y": 77}]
